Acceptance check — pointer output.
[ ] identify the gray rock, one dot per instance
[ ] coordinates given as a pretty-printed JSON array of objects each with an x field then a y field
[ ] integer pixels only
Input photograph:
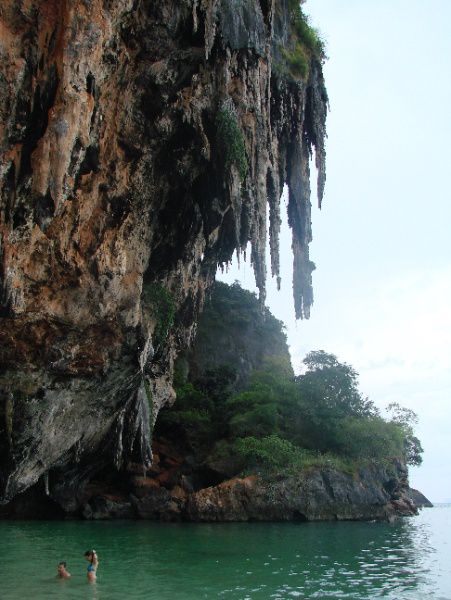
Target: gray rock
[
  {"x": 101, "y": 508},
  {"x": 315, "y": 495},
  {"x": 419, "y": 499},
  {"x": 242, "y": 25},
  {"x": 158, "y": 505}
]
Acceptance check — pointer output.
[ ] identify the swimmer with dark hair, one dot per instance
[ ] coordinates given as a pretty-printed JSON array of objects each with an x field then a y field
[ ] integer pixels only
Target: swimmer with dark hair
[
  {"x": 91, "y": 556},
  {"x": 63, "y": 573}
]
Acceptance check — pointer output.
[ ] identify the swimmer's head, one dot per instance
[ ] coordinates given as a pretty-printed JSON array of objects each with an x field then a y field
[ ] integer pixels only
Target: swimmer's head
[
  {"x": 62, "y": 570},
  {"x": 89, "y": 554},
  {"x": 62, "y": 566}
]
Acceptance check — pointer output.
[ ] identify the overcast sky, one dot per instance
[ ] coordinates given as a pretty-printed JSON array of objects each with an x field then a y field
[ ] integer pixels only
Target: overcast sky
[{"x": 382, "y": 242}]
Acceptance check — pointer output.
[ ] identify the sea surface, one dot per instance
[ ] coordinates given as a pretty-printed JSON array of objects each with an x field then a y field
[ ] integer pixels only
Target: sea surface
[{"x": 410, "y": 559}]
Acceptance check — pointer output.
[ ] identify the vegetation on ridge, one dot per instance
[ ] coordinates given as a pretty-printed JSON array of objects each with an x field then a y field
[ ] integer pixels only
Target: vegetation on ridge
[{"x": 305, "y": 42}]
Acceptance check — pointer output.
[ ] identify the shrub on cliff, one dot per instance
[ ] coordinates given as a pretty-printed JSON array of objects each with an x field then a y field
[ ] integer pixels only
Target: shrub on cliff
[
  {"x": 192, "y": 421},
  {"x": 235, "y": 334},
  {"x": 270, "y": 452},
  {"x": 320, "y": 413},
  {"x": 271, "y": 455},
  {"x": 307, "y": 35},
  {"x": 262, "y": 408},
  {"x": 230, "y": 141},
  {"x": 304, "y": 43}
]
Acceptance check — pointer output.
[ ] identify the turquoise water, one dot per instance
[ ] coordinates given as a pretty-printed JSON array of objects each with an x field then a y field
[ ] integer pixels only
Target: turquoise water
[{"x": 406, "y": 560}]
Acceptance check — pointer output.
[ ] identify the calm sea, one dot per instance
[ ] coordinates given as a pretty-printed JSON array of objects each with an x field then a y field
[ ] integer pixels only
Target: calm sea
[{"x": 409, "y": 559}]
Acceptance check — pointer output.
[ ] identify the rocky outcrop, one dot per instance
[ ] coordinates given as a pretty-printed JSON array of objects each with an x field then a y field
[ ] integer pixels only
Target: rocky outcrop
[
  {"x": 141, "y": 144},
  {"x": 371, "y": 493},
  {"x": 314, "y": 495},
  {"x": 181, "y": 488},
  {"x": 419, "y": 499}
]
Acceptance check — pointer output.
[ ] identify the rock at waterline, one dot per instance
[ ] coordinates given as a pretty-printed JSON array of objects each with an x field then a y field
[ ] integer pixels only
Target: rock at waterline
[{"x": 419, "y": 499}]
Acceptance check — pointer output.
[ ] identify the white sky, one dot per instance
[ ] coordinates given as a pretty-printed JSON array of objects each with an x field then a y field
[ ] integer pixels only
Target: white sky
[{"x": 382, "y": 242}]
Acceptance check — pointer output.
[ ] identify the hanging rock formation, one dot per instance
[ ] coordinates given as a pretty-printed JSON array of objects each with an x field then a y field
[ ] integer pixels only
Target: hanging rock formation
[{"x": 141, "y": 144}]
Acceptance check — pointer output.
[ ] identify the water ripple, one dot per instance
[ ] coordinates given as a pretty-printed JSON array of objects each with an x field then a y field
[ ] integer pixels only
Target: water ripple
[{"x": 352, "y": 561}]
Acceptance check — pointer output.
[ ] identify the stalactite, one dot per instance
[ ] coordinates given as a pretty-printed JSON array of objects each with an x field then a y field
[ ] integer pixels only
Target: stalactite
[
  {"x": 283, "y": 122},
  {"x": 274, "y": 225},
  {"x": 210, "y": 9},
  {"x": 315, "y": 124},
  {"x": 118, "y": 440},
  {"x": 136, "y": 436},
  {"x": 299, "y": 219}
]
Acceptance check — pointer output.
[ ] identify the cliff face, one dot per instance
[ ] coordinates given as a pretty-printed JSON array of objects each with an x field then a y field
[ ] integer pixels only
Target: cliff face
[{"x": 141, "y": 143}]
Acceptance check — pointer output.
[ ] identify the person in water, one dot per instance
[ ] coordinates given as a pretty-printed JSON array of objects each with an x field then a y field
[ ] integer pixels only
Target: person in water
[
  {"x": 63, "y": 573},
  {"x": 91, "y": 556}
]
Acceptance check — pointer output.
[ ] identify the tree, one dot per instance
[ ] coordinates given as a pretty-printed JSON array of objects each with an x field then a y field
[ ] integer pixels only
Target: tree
[
  {"x": 370, "y": 437},
  {"x": 327, "y": 394},
  {"x": 405, "y": 419},
  {"x": 261, "y": 409},
  {"x": 335, "y": 385}
]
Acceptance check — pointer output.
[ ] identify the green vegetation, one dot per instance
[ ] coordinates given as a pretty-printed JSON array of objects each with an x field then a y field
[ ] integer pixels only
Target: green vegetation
[
  {"x": 231, "y": 141},
  {"x": 405, "y": 419},
  {"x": 160, "y": 304},
  {"x": 275, "y": 454},
  {"x": 297, "y": 61},
  {"x": 305, "y": 42},
  {"x": 191, "y": 418},
  {"x": 274, "y": 421},
  {"x": 235, "y": 335},
  {"x": 306, "y": 35}
]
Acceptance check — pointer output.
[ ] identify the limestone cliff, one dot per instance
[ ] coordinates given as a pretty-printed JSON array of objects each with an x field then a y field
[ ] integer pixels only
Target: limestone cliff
[
  {"x": 234, "y": 335},
  {"x": 141, "y": 144}
]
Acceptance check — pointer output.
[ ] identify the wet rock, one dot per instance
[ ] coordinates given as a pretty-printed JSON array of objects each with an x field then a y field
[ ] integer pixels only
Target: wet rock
[
  {"x": 159, "y": 505},
  {"x": 187, "y": 483},
  {"x": 103, "y": 508},
  {"x": 229, "y": 501},
  {"x": 169, "y": 478},
  {"x": 179, "y": 493},
  {"x": 32, "y": 504},
  {"x": 141, "y": 486}
]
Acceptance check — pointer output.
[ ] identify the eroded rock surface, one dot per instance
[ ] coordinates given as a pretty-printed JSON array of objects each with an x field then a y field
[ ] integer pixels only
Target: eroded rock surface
[
  {"x": 313, "y": 495},
  {"x": 118, "y": 200}
]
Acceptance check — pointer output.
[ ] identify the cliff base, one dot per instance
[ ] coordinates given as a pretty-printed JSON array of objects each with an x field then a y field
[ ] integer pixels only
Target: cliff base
[{"x": 177, "y": 488}]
